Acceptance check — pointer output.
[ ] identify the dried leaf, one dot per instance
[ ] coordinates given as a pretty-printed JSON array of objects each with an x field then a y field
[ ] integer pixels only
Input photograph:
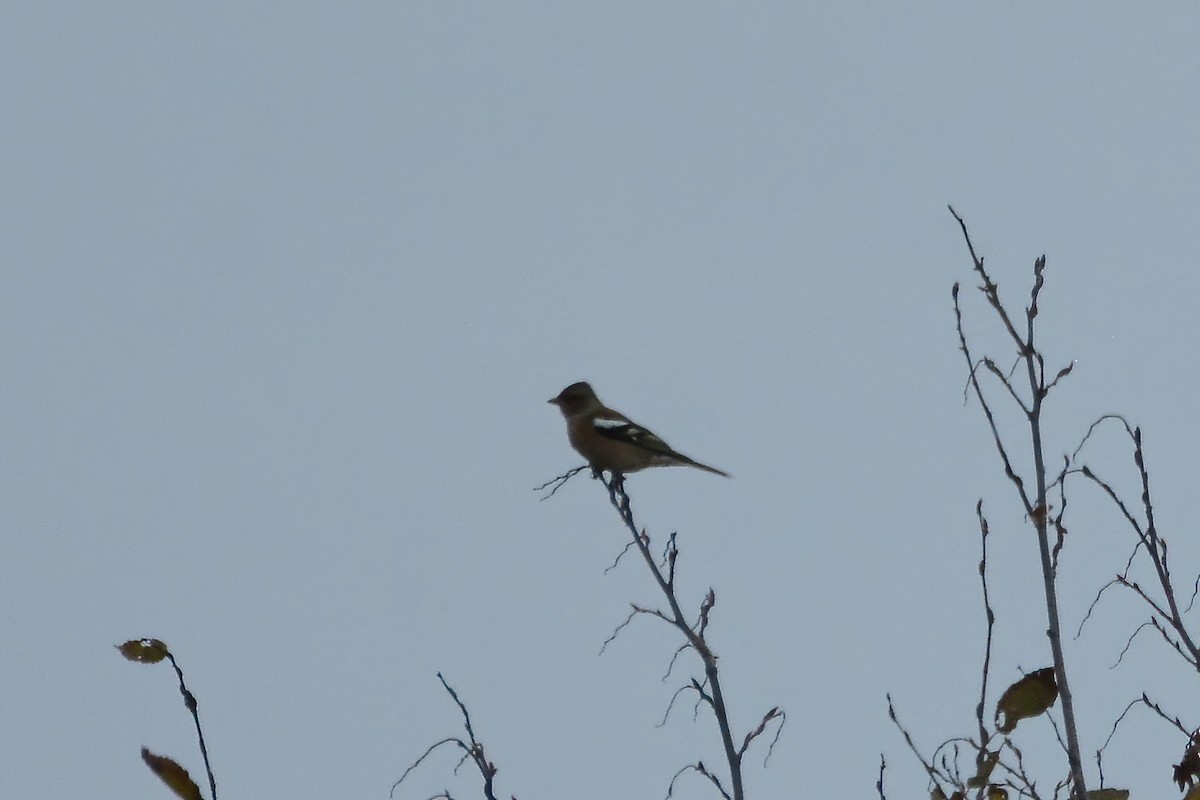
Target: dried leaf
[
  {"x": 1108, "y": 794},
  {"x": 174, "y": 776},
  {"x": 1188, "y": 769},
  {"x": 1032, "y": 695},
  {"x": 144, "y": 651}
]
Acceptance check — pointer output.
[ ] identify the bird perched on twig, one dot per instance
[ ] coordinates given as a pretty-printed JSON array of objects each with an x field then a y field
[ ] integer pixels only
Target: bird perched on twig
[{"x": 609, "y": 440}]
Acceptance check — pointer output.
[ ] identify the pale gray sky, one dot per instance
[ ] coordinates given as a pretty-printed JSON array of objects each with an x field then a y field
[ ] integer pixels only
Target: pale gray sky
[{"x": 285, "y": 287}]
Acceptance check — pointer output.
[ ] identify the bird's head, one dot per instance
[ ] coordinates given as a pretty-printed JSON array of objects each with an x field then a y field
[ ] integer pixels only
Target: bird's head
[{"x": 578, "y": 398}]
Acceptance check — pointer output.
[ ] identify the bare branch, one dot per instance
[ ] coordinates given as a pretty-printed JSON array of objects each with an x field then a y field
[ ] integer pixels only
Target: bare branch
[
  {"x": 987, "y": 409},
  {"x": 774, "y": 713},
  {"x": 990, "y": 289},
  {"x": 1007, "y": 384},
  {"x": 1166, "y": 609},
  {"x": 700, "y": 769},
  {"x": 472, "y": 749},
  {"x": 617, "y": 560},
  {"x": 1060, "y": 529},
  {"x": 674, "y": 696},
  {"x": 1133, "y": 523},
  {"x": 1129, "y": 642},
  {"x": 775, "y": 739},
  {"x": 936, "y": 775},
  {"x": 675, "y": 657},
  {"x": 1092, "y": 605},
  {"x": 557, "y": 483},
  {"x": 1092, "y": 428},
  {"x": 637, "y": 611},
  {"x": 990, "y": 617},
  {"x": 709, "y": 691},
  {"x": 1062, "y": 373},
  {"x": 1036, "y": 506},
  {"x": 612, "y": 637},
  {"x": 429, "y": 751},
  {"x": 1144, "y": 700}
]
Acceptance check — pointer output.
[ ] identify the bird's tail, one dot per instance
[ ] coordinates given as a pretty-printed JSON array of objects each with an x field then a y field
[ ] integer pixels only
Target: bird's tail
[{"x": 693, "y": 463}]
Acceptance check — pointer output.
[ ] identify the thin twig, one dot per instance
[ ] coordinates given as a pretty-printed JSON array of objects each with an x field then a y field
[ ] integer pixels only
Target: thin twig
[
  {"x": 472, "y": 749},
  {"x": 189, "y": 700},
  {"x": 936, "y": 775},
  {"x": 713, "y": 696},
  {"x": 990, "y": 616},
  {"x": 700, "y": 769},
  {"x": 1036, "y": 508},
  {"x": 557, "y": 483},
  {"x": 1167, "y": 612}
]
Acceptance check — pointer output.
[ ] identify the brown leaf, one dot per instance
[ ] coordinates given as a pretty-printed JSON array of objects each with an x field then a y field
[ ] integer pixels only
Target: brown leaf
[
  {"x": 174, "y": 776},
  {"x": 1108, "y": 794},
  {"x": 1028, "y": 697},
  {"x": 1188, "y": 769},
  {"x": 144, "y": 651}
]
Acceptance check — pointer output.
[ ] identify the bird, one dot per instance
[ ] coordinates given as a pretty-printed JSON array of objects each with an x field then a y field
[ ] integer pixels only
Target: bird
[{"x": 611, "y": 441}]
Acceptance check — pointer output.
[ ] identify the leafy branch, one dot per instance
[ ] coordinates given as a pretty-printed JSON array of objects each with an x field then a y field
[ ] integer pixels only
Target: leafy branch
[{"x": 152, "y": 651}]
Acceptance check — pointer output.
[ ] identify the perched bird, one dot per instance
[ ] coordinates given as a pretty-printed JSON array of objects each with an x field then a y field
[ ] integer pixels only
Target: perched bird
[{"x": 609, "y": 440}]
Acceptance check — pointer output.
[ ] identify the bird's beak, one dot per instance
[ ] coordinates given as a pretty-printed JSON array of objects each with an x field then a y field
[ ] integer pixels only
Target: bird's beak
[{"x": 553, "y": 401}]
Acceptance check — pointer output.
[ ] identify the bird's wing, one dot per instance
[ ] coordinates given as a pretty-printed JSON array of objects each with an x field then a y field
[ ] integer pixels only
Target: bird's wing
[{"x": 629, "y": 432}]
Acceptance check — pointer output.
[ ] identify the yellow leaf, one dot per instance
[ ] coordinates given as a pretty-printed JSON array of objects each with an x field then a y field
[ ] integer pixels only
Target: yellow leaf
[
  {"x": 1193, "y": 793},
  {"x": 174, "y": 776},
  {"x": 1028, "y": 697},
  {"x": 997, "y": 793},
  {"x": 145, "y": 651}
]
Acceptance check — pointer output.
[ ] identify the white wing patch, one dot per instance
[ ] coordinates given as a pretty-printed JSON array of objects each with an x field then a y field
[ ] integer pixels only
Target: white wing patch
[{"x": 622, "y": 430}]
